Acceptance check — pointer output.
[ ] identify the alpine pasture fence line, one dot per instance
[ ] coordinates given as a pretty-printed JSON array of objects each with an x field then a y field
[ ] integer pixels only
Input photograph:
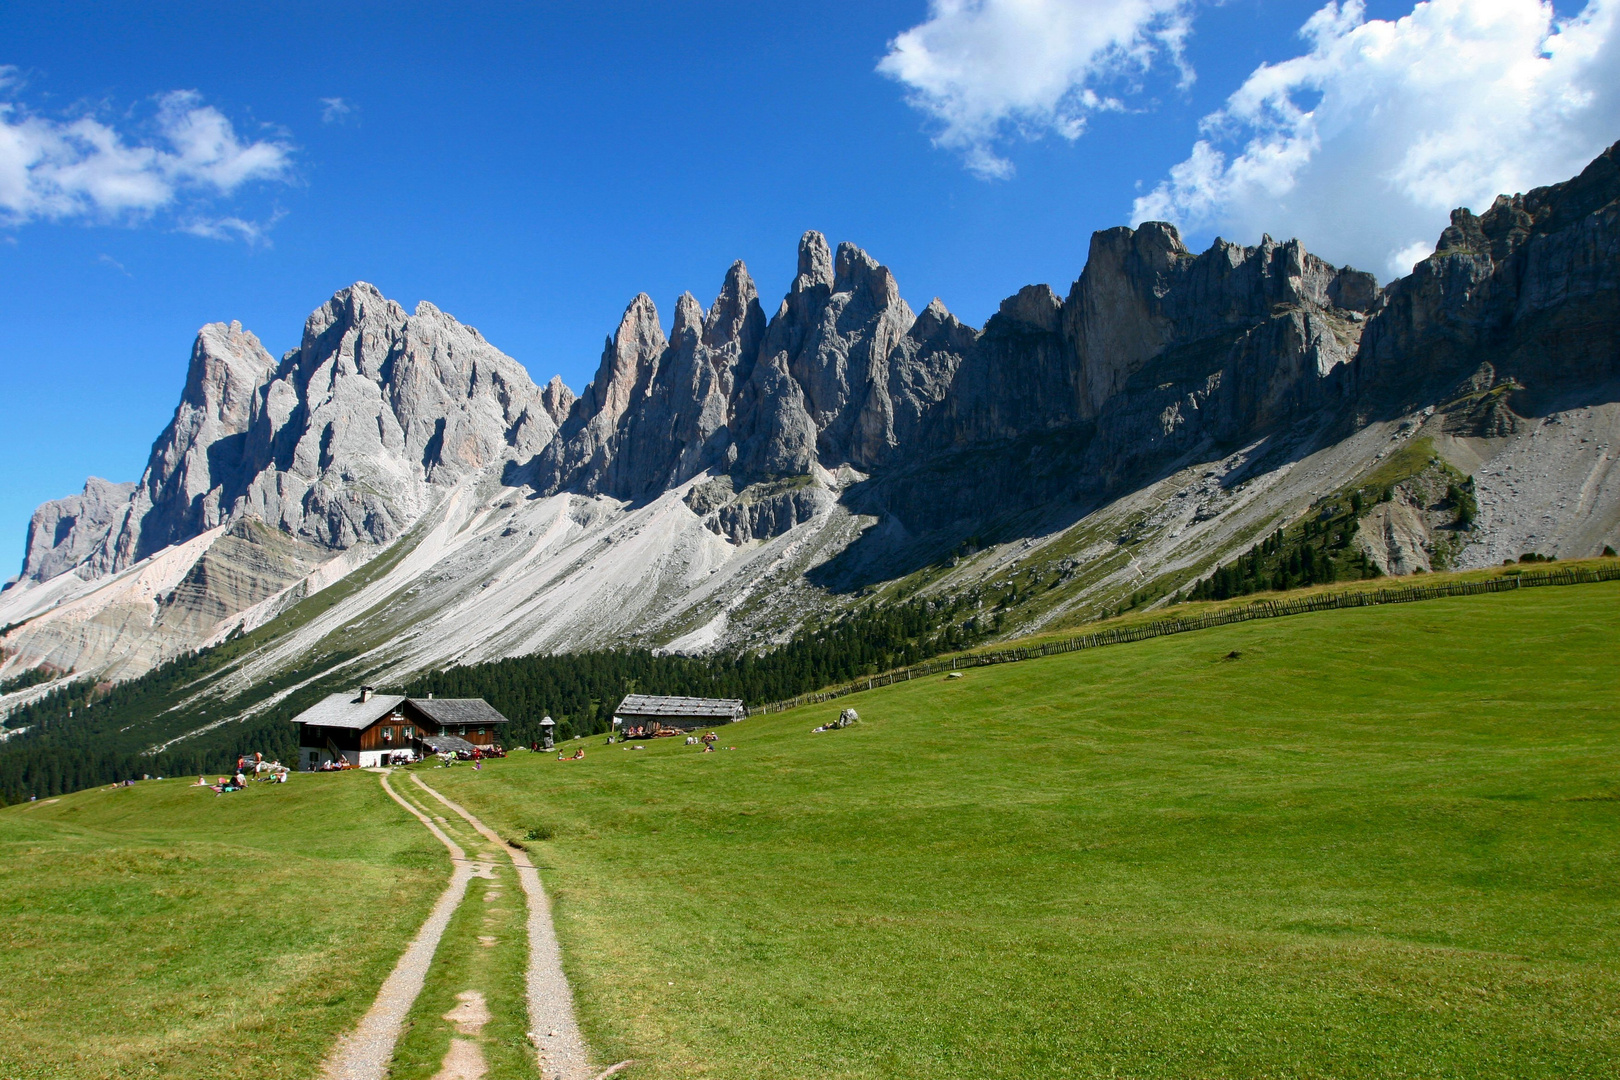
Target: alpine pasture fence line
[{"x": 1259, "y": 609}]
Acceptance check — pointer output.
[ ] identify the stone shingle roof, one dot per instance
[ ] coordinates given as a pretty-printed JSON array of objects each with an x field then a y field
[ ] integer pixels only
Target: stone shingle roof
[
  {"x": 348, "y": 711},
  {"x": 652, "y": 705},
  {"x": 445, "y": 711}
]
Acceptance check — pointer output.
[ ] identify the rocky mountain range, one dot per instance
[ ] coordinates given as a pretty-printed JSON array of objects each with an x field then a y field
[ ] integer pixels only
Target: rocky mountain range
[{"x": 719, "y": 485}]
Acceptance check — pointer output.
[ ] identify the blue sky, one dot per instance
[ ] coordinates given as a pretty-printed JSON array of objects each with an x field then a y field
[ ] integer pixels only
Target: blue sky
[{"x": 529, "y": 168}]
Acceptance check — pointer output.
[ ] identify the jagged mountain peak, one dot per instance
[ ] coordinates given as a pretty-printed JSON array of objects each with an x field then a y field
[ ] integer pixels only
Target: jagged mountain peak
[
  {"x": 1034, "y": 306},
  {"x": 815, "y": 263},
  {"x": 628, "y": 361},
  {"x": 689, "y": 318},
  {"x": 735, "y": 319},
  {"x": 856, "y": 270},
  {"x": 341, "y": 442},
  {"x": 557, "y": 399}
]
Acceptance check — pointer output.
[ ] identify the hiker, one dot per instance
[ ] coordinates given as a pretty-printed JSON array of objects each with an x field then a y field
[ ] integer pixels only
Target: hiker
[
  {"x": 710, "y": 739},
  {"x": 241, "y": 781}
]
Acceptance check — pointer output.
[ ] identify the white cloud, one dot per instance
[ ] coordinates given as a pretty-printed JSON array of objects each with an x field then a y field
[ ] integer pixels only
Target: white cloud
[
  {"x": 82, "y": 168},
  {"x": 1362, "y": 145},
  {"x": 334, "y": 110},
  {"x": 232, "y": 228},
  {"x": 986, "y": 69}
]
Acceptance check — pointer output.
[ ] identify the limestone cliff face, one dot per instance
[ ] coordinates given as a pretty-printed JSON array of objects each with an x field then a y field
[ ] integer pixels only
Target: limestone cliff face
[
  {"x": 834, "y": 334},
  {"x": 1529, "y": 288},
  {"x": 843, "y": 374},
  {"x": 66, "y": 534},
  {"x": 1268, "y": 322},
  {"x": 189, "y": 474},
  {"x": 374, "y": 412},
  {"x": 345, "y": 440},
  {"x": 192, "y": 469},
  {"x": 660, "y": 411}
]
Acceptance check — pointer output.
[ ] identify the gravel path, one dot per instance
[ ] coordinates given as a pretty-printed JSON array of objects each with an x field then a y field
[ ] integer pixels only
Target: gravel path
[
  {"x": 364, "y": 1053},
  {"x": 562, "y": 1052}
]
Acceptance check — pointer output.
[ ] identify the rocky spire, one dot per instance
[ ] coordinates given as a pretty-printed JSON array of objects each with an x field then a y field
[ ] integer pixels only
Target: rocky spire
[
  {"x": 629, "y": 360},
  {"x": 194, "y": 473},
  {"x": 557, "y": 399},
  {"x": 815, "y": 263}
]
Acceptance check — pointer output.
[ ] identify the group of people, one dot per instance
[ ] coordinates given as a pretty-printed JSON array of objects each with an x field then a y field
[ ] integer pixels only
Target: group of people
[
  {"x": 650, "y": 731},
  {"x": 476, "y": 755},
  {"x": 845, "y": 719},
  {"x": 265, "y": 772}
]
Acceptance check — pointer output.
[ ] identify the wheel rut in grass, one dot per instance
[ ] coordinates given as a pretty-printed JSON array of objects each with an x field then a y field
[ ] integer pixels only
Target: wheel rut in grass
[
  {"x": 364, "y": 1053},
  {"x": 561, "y": 1049}
]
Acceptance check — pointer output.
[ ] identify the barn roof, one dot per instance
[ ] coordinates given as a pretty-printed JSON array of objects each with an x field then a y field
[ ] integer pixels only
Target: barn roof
[
  {"x": 654, "y": 705},
  {"x": 467, "y": 710},
  {"x": 348, "y": 711}
]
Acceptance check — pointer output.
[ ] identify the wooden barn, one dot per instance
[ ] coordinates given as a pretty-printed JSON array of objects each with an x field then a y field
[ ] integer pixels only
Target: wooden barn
[
  {"x": 651, "y": 712},
  {"x": 369, "y": 729}
]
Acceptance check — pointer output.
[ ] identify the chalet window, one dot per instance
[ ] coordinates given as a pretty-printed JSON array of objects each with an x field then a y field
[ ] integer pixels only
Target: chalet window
[
  {"x": 480, "y": 731},
  {"x": 410, "y": 732},
  {"x": 388, "y": 734}
]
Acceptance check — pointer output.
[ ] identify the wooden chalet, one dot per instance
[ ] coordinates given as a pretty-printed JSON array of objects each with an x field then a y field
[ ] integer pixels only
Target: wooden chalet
[
  {"x": 651, "y": 712},
  {"x": 370, "y": 729}
]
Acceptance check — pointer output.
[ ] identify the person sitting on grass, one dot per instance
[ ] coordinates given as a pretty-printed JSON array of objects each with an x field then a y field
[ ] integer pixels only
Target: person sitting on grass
[{"x": 575, "y": 756}]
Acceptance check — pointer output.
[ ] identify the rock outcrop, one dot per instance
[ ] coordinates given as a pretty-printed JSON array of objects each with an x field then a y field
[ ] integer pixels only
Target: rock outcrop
[
  {"x": 374, "y": 413},
  {"x": 347, "y": 439},
  {"x": 1528, "y": 288},
  {"x": 69, "y": 534}
]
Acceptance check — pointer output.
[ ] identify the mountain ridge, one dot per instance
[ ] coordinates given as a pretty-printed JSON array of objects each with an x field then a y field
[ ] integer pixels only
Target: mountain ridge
[{"x": 720, "y": 484}]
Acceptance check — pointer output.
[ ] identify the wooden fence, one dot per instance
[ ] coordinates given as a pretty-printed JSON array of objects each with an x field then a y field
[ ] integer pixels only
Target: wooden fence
[{"x": 1259, "y": 609}]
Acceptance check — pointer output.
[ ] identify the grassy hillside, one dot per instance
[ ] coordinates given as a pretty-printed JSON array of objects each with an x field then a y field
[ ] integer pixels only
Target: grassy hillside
[
  {"x": 161, "y": 930},
  {"x": 1380, "y": 842}
]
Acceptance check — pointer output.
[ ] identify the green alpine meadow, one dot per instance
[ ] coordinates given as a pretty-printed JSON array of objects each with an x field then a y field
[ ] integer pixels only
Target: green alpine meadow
[{"x": 1362, "y": 843}]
